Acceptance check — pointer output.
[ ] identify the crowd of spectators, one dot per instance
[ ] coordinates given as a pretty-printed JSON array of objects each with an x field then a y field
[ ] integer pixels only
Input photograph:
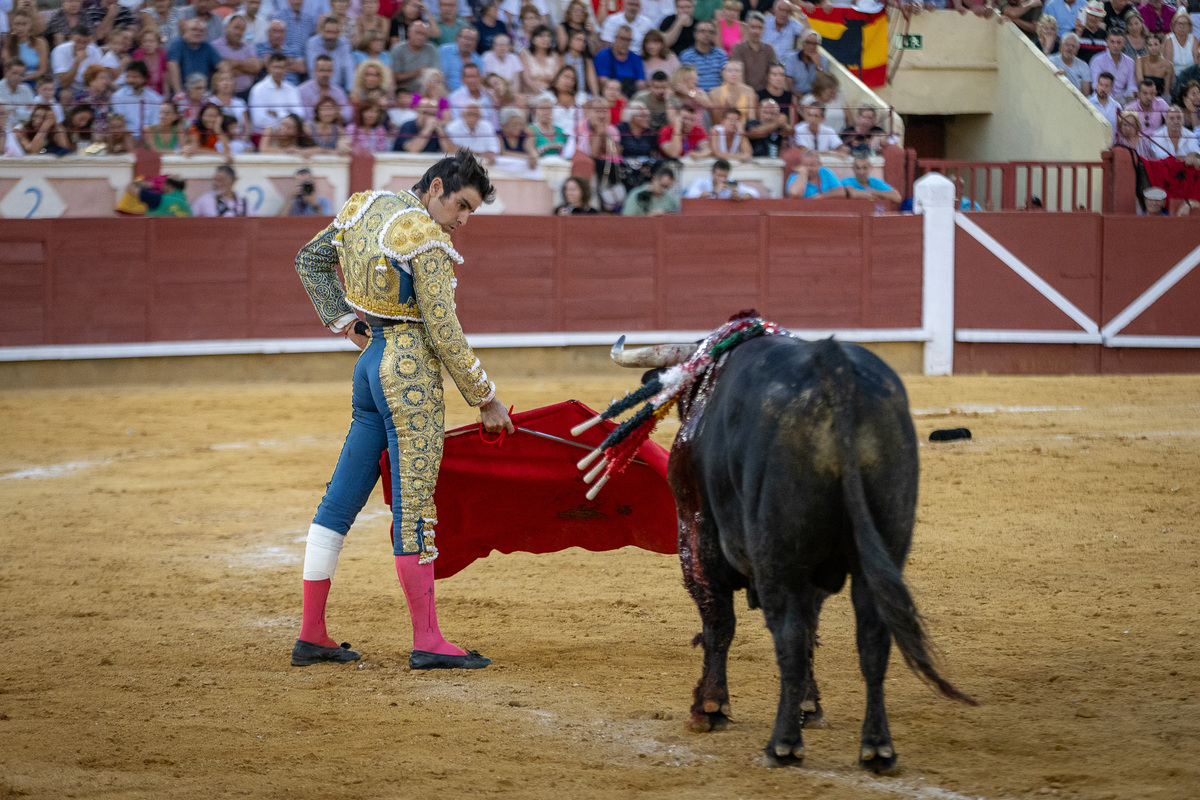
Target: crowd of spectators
[{"x": 616, "y": 92}]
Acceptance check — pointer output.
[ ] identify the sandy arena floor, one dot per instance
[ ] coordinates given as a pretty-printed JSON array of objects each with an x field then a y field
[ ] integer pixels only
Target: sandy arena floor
[{"x": 150, "y": 547}]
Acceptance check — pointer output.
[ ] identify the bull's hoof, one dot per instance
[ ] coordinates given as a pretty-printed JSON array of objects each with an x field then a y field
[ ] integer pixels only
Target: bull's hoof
[
  {"x": 812, "y": 714},
  {"x": 783, "y": 755},
  {"x": 881, "y": 760},
  {"x": 704, "y": 722}
]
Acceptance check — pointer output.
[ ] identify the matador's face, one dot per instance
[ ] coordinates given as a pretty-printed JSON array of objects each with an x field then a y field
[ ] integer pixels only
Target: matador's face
[{"x": 451, "y": 209}]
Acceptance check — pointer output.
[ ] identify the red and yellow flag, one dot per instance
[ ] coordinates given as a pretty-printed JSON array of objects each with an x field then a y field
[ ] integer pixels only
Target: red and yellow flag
[{"x": 857, "y": 40}]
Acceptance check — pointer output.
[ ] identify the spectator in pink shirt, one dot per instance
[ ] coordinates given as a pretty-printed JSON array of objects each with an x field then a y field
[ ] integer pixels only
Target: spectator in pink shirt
[
  {"x": 1157, "y": 15},
  {"x": 1117, "y": 64},
  {"x": 1150, "y": 108}
]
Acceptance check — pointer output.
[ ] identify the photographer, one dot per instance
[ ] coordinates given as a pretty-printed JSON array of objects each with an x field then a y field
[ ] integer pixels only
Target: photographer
[
  {"x": 655, "y": 197},
  {"x": 718, "y": 186},
  {"x": 306, "y": 202}
]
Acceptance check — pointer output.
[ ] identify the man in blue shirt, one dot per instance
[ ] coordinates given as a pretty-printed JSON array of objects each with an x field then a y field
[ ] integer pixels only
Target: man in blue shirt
[
  {"x": 708, "y": 60},
  {"x": 300, "y": 26},
  {"x": 329, "y": 42},
  {"x": 865, "y": 186},
  {"x": 620, "y": 64},
  {"x": 800, "y": 183},
  {"x": 457, "y": 54},
  {"x": 190, "y": 55}
]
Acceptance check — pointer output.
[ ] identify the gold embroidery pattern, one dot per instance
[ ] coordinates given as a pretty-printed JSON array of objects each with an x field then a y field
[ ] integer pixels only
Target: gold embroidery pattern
[
  {"x": 374, "y": 283},
  {"x": 316, "y": 264},
  {"x": 411, "y": 377}
]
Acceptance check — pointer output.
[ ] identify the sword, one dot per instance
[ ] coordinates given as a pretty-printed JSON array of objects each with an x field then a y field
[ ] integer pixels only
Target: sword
[{"x": 549, "y": 437}]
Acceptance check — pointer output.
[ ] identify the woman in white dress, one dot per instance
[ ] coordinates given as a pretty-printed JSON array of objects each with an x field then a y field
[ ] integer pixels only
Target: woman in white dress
[{"x": 1181, "y": 47}]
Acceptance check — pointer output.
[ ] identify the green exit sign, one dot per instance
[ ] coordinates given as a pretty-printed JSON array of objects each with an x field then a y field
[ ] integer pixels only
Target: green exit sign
[{"x": 909, "y": 42}]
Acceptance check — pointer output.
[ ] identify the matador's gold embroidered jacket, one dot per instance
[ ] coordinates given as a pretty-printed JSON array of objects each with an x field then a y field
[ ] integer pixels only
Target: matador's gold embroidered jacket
[{"x": 398, "y": 264}]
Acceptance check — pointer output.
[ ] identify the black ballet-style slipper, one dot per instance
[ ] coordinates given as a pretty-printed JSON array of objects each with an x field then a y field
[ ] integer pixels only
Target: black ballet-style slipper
[
  {"x": 305, "y": 654},
  {"x": 422, "y": 659}
]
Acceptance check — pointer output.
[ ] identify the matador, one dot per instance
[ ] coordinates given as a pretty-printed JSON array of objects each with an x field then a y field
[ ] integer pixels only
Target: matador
[{"x": 398, "y": 264}]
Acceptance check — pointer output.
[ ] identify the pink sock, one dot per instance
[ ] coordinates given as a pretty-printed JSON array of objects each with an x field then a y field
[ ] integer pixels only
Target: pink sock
[
  {"x": 417, "y": 580},
  {"x": 312, "y": 624}
]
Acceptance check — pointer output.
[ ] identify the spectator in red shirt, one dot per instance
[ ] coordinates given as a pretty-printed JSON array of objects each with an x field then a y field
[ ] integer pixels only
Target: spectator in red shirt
[{"x": 682, "y": 136}]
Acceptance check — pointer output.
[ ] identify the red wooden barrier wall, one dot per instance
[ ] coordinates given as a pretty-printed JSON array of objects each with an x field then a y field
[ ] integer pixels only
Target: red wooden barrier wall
[{"x": 83, "y": 281}]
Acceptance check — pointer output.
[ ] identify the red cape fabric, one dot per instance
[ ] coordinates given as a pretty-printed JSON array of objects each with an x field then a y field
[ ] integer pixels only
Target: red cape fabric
[
  {"x": 524, "y": 493},
  {"x": 1178, "y": 179}
]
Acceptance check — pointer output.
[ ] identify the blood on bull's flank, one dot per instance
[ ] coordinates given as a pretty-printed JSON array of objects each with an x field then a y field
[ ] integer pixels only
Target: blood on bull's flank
[{"x": 786, "y": 499}]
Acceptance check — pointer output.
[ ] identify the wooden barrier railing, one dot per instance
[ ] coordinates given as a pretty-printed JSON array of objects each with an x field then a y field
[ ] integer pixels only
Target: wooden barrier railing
[{"x": 1026, "y": 185}]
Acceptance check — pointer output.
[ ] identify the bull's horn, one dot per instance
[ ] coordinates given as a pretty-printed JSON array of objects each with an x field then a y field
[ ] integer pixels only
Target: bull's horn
[{"x": 661, "y": 355}]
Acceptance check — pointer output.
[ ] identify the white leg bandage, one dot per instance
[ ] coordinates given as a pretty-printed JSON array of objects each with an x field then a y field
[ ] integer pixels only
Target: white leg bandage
[{"x": 321, "y": 553}]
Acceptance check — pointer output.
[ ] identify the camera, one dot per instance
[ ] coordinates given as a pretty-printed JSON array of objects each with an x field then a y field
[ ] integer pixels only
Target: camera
[{"x": 307, "y": 188}]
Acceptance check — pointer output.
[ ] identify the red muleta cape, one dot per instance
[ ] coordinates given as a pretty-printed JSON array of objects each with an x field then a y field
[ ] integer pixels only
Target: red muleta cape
[{"x": 524, "y": 493}]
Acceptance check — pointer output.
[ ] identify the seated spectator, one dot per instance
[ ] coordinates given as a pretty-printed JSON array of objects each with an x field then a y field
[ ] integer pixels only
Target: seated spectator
[
  {"x": 1129, "y": 134},
  {"x": 205, "y": 131},
  {"x": 705, "y": 57},
  {"x": 238, "y": 55},
  {"x": 257, "y": 21},
  {"x": 41, "y": 133},
  {"x": 457, "y": 55},
  {"x": 45, "y": 94},
  {"x": 1024, "y": 14},
  {"x": 502, "y": 61},
  {"x": 781, "y": 29},
  {"x": 1189, "y": 101},
  {"x": 486, "y": 27},
  {"x": 412, "y": 56},
  {"x": 656, "y": 56},
  {"x": 273, "y": 98},
  {"x": 1047, "y": 35},
  {"x": 733, "y": 93},
  {"x": 97, "y": 94},
  {"x": 411, "y": 13},
  {"x": 118, "y": 52},
  {"x": 1092, "y": 37},
  {"x": 232, "y": 141},
  {"x": 639, "y": 140},
  {"x": 771, "y": 133},
  {"x": 369, "y": 77},
  {"x": 473, "y": 131},
  {"x": 1136, "y": 37},
  {"x": 776, "y": 91},
  {"x": 63, "y": 21},
  {"x": 682, "y": 136},
  {"x": 718, "y": 186},
  {"x": 685, "y": 87},
  {"x": 15, "y": 94},
  {"x": 328, "y": 43},
  {"x": 729, "y": 140},
  {"x": 1181, "y": 47},
  {"x": 755, "y": 55},
  {"x": 288, "y": 136},
  {"x": 610, "y": 90},
  {"x": 864, "y": 136},
  {"x": 1072, "y": 68},
  {"x": 814, "y": 134},
  {"x": 9, "y": 146},
  {"x": 1116, "y": 63},
  {"x": 516, "y": 140},
  {"x": 630, "y": 17},
  {"x": 1157, "y": 15},
  {"x": 811, "y": 181},
  {"x": 540, "y": 63},
  {"x": 655, "y": 99},
  {"x": 827, "y": 94},
  {"x": 278, "y": 44},
  {"x": 223, "y": 95},
  {"x": 579, "y": 58},
  {"x": 521, "y": 22},
  {"x": 320, "y": 85},
  {"x": 167, "y": 135},
  {"x": 803, "y": 67},
  {"x": 326, "y": 124},
  {"x": 1154, "y": 67},
  {"x": 340, "y": 11},
  {"x": 1173, "y": 139},
  {"x": 301, "y": 24},
  {"x": 199, "y": 11},
  {"x": 191, "y": 55},
  {"x": 170, "y": 202},
  {"x": 305, "y": 202},
  {"x": 154, "y": 56},
  {"x": 679, "y": 29},
  {"x": 548, "y": 138},
  {"x": 118, "y": 139},
  {"x": 500, "y": 93},
  {"x": 448, "y": 21},
  {"x": 862, "y": 184},
  {"x": 368, "y": 133},
  {"x": 433, "y": 86},
  {"x": 567, "y": 100},
  {"x": 621, "y": 64},
  {"x": 576, "y": 198},
  {"x": 371, "y": 48},
  {"x": 1155, "y": 201},
  {"x": 472, "y": 91},
  {"x": 653, "y": 198},
  {"x": 1103, "y": 100},
  {"x": 70, "y": 61},
  {"x": 161, "y": 16},
  {"x": 729, "y": 26},
  {"x": 24, "y": 44},
  {"x": 1150, "y": 108},
  {"x": 193, "y": 98},
  {"x": 577, "y": 18},
  {"x": 425, "y": 134},
  {"x": 135, "y": 101}
]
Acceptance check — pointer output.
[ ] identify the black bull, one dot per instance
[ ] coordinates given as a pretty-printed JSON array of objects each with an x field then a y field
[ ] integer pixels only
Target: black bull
[{"x": 795, "y": 466}]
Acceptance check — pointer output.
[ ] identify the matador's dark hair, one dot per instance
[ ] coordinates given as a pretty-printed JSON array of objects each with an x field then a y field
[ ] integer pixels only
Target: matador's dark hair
[{"x": 456, "y": 171}]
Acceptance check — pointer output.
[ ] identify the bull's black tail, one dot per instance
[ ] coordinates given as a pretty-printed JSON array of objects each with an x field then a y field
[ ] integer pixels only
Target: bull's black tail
[{"x": 883, "y": 575}]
